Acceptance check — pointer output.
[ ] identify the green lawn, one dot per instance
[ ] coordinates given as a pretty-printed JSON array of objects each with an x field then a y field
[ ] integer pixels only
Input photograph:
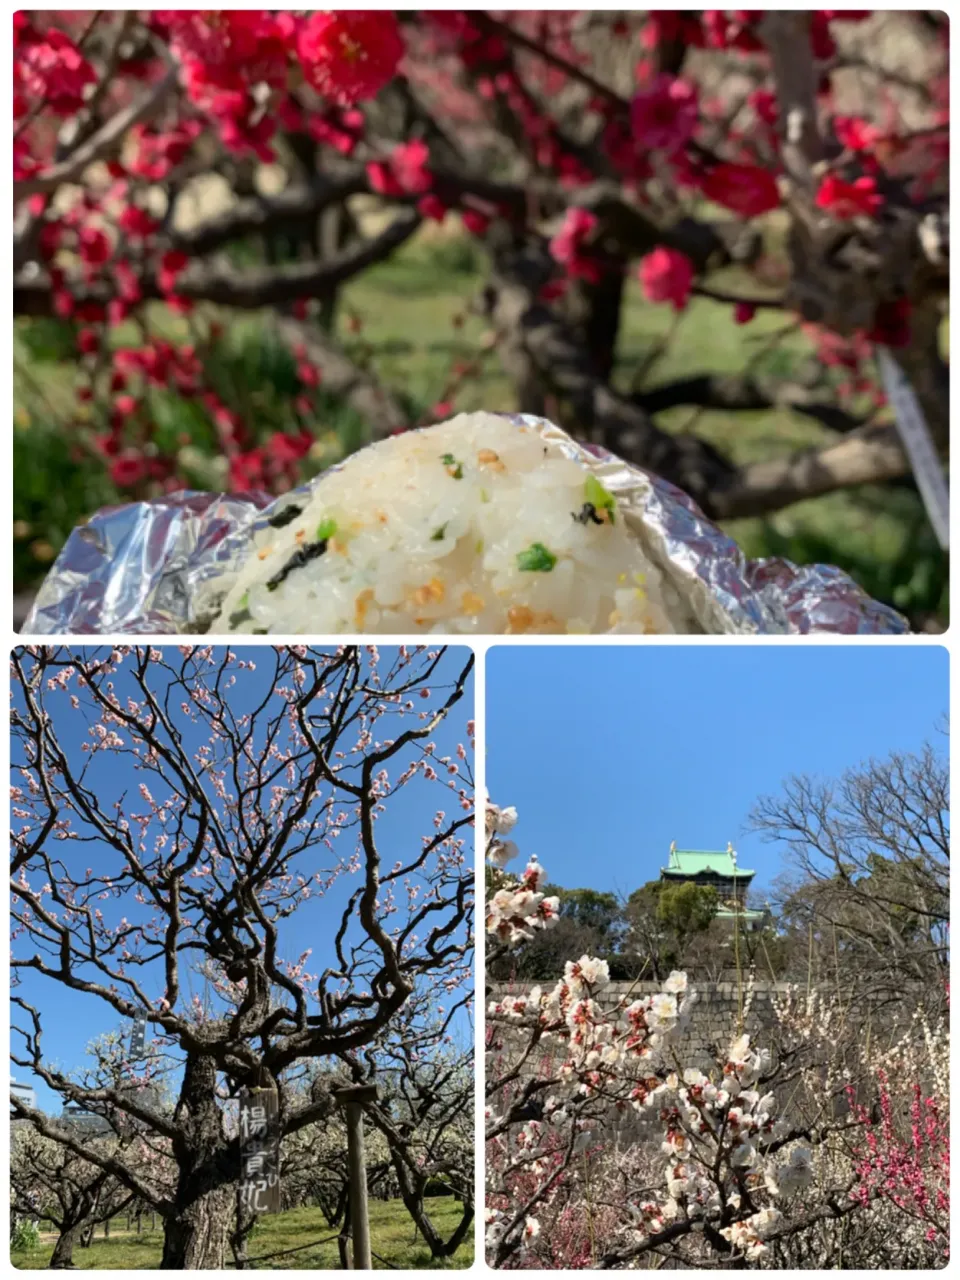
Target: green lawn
[
  {"x": 416, "y": 323},
  {"x": 392, "y": 1232}
]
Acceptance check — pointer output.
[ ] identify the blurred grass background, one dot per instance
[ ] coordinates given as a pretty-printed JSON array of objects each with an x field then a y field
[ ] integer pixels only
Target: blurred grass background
[
  {"x": 415, "y": 323},
  {"x": 392, "y": 1235}
]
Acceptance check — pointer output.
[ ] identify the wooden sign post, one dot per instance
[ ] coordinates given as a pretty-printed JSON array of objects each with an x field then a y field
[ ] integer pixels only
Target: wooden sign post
[
  {"x": 138, "y": 1037},
  {"x": 260, "y": 1151},
  {"x": 351, "y": 1098}
]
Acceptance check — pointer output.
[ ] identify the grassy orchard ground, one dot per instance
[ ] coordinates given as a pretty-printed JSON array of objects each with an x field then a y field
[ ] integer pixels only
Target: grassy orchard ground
[
  {"x": 406, "y": 307},
  {"x": 392, "y": 1233}
]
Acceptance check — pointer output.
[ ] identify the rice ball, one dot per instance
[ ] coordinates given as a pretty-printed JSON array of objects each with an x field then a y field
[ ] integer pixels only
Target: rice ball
[{"x": 474, "y": 526}]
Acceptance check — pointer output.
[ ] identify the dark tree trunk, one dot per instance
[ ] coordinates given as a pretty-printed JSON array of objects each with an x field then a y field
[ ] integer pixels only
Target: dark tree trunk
[
  {"x": 344, "y": 1243},
  {"x": 62, "y": 1256},
  {"x": 196, "y": 1234},
  {"x": 594, "y": 310},
  {"x": 244, "y": 1223},
  {"x": 411, "y": 1192}
]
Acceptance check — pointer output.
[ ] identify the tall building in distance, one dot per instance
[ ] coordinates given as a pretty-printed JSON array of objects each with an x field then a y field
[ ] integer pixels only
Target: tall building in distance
[
  {"x": 24, "y": 1093},
  {"x": 719, "y": 871}
]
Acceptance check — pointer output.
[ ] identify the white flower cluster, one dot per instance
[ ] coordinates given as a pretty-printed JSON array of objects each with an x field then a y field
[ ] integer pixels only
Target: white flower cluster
[
  {"x": 723, "y": 1151},
  {"x": 500, "y": 822},
  {"x": 747, "y": 1236},
  {"x": 518, "y": 908}
]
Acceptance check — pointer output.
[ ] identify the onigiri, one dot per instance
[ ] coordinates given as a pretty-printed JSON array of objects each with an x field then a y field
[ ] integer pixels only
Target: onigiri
[{"x": 479, "y": 525}]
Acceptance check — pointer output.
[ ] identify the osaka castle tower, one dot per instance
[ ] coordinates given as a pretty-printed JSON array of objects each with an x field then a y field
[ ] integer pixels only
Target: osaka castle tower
[{"x": 722, "y": 872}]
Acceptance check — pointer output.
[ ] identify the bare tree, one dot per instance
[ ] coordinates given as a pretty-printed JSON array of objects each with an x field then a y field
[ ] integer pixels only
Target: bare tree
[
  {"x": 424, "y": 1113},
  {"x": 870, "y": 855},
  {"x": 248, "y": 782}
]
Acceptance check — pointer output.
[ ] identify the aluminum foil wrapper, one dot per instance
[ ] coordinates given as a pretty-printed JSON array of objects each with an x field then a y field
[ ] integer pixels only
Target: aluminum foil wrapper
[{"x": 162, "y": 567}]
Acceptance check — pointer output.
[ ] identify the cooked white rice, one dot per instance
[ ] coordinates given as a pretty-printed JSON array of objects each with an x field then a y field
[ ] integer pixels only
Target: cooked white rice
[{"x": 475, "y": 526}]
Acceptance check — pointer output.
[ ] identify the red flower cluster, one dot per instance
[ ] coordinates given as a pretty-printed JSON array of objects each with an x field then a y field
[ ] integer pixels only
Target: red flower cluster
[
  {"x": 274, "y": 461},
  {"x": 856, "y": 134},
  {"x": 48, "y": 70},
  {"x": 845, "y": 200},
  {"x": 404, "y": 173},
  {"x": 746, "y": 189},
  {"x": 664, "y": 116},
  {"x": 348, "y": 55},
  {"x": 666, "y": 275},
  {"x": 568, "y": 246}
]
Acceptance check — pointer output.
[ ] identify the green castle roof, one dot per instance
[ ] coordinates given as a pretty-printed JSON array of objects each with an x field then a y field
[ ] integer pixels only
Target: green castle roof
[{"x": 686, "y": 863}]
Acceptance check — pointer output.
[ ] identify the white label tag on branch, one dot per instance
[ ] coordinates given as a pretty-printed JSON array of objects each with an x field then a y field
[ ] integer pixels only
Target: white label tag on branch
[{"x": 918, "y": 445}]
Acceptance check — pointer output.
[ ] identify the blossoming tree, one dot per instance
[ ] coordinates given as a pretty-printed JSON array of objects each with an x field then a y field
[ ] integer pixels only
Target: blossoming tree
[
  {"x": 579, "y": 148},
  {"x": 424, "y": 1114},
  {"x": 606, "y": 1146},
  {"x": 52, "y": 1183},
  {"x": 189, "y": 825}
]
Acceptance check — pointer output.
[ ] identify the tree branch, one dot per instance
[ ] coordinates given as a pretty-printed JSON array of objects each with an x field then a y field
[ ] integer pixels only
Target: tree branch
[{"x": 106, "y": 142}]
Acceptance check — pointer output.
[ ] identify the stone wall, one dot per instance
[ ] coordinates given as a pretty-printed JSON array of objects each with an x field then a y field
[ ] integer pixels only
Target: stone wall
[
  {"x": 715, "y": 1022},
  {"x": 716, "y": 1018}
]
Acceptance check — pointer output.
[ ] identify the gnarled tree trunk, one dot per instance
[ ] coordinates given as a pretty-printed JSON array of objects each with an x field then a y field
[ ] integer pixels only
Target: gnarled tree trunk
[
  {"x": 196, "y": 1233},
  {"x": 412, "y": 1187},
  {"x": 62, "y": 1256}
]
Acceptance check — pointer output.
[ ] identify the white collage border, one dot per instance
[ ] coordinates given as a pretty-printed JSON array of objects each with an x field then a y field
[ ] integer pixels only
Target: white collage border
[{"x": 480, "y": 645}]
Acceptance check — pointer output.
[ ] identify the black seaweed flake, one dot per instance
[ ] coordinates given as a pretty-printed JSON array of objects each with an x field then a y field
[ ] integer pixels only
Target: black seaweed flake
[
  {"x": 285, "y": 517},
  {"x": 312, "y": 551},
  {"x": 242, "y": 615},
  {"x": 587, "y": 513}
]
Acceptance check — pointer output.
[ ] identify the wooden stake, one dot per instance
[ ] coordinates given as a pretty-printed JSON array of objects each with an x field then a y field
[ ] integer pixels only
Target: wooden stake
[{"x": 351, "y": 1098}]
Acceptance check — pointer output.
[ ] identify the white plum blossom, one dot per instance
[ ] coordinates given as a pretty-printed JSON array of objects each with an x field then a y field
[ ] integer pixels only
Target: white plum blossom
[
  {"x": 796, "y": 1175},
  {"x": 662, "y": 1013},
  {"x": 501, "y": 821},
  {"x": 500, "y": 852},
  {"x": 586, "y": 971}
]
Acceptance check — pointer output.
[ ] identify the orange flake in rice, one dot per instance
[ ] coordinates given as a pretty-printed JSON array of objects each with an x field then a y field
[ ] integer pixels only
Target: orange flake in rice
[
  {"x": 432, "y": 591},
  {"x": 361, "y": 605},
  {"x": 519, "y": 619},
  {"x": 490, "y": 459}
]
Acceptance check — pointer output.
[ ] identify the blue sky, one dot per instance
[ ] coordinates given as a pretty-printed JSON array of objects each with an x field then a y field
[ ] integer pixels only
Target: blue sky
[
  {"x": 610, "y": 753},
  {"x": 72, "y": 1019}
]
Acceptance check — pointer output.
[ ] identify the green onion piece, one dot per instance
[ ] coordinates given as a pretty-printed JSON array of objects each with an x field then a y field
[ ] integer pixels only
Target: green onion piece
[
  {"x": 449, "y": 460},
  {"x": 326, "y": 529},
  {"x": 601, "y": 498},
  {"x": 536, "y": 559}
]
